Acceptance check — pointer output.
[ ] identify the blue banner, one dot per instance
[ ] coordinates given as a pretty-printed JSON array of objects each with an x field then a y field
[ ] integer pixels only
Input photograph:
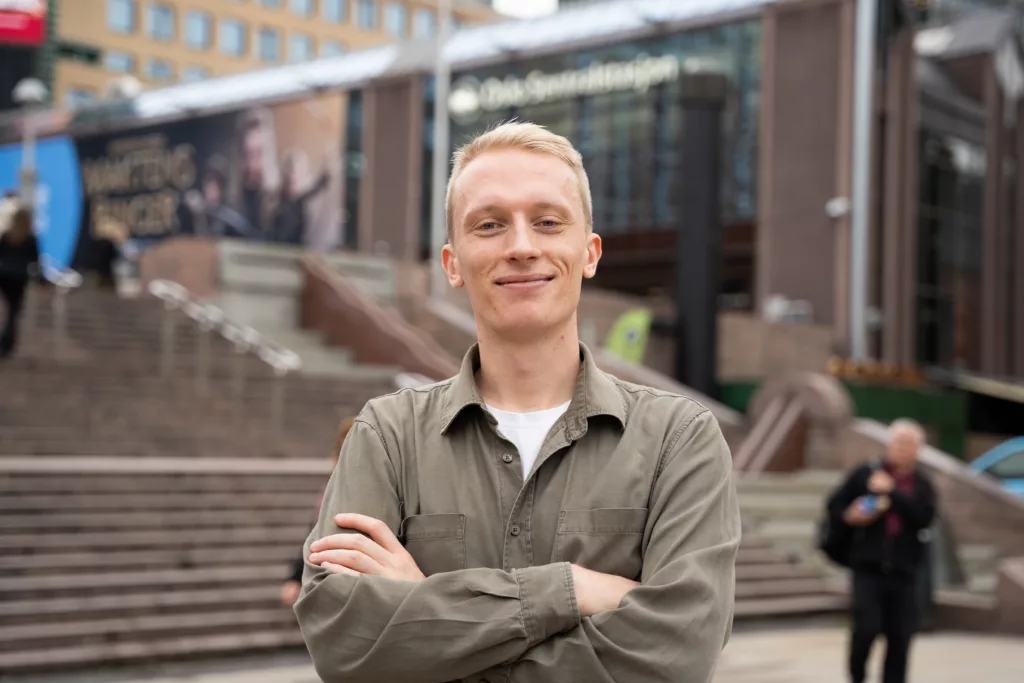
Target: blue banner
[{"x": 58, "y": 201}]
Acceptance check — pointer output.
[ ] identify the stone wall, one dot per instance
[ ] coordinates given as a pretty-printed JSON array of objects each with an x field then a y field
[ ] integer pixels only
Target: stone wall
[{"x": 190, "y": 261}]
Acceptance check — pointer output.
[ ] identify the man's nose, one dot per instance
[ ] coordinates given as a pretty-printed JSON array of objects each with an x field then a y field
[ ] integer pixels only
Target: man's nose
[{"x": 521, "y": 241}]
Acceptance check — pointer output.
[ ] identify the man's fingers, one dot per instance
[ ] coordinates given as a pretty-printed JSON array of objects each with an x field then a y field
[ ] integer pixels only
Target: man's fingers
[
  {"x": 374, "y": 528},
  {"x": 350, "y": 542},
  {"x": 338, "y": 569},
  {"x": 352, "y": 559}
]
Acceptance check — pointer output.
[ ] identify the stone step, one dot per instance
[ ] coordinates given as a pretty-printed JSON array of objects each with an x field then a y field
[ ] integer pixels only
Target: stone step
[
  {"x": 818, "y": 483},
  {"x": 79, "y": 520},
  {"x": 78, "y": 656},
  {"x": 80, "y": 583},
  {"x": 790, "y": 605},
  {"x": 168, "y": 537},
  {"x": 139, "y": 629},
  {"x": 158, "y": 601},
  {"x": 155, "y": 558}
]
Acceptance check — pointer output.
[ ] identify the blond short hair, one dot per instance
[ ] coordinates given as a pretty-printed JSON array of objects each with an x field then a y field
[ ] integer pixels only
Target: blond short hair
[{"x": 528, "y": 137}]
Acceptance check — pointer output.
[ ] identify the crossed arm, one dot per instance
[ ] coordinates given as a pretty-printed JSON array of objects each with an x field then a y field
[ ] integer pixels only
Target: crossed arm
[{"x": 368, "y": 614}]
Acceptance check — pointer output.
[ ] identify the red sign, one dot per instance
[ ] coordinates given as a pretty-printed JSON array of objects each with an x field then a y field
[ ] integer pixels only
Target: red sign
[{"x": 23, "y": 22}]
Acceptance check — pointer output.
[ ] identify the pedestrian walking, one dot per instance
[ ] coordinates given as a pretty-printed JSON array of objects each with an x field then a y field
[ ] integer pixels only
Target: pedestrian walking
[
  {"x": 886, "y": 507},
  {"x": 19, "y": 255}
]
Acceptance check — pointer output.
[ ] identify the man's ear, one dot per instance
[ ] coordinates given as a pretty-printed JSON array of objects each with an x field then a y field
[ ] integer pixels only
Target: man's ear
[
  {"x": 450, "y": 263},
  {"x": 593, "y": 255}
]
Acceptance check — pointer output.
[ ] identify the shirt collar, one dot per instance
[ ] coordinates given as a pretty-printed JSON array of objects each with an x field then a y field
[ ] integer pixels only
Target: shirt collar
[{"x": 596, "y": 394}]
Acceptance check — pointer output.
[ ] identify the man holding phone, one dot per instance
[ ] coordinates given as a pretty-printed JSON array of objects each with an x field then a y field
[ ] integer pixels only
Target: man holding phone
[{"x": 890, "y": 504}]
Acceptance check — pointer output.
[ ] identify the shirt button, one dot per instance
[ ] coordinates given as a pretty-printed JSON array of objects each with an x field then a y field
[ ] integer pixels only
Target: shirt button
[
  {"x": 507, "y": 458},
  {"x": 515, "y": 529}
]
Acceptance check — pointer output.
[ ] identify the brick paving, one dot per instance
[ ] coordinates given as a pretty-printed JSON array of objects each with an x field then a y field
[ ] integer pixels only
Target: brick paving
[{"x": 805, "y": 654}]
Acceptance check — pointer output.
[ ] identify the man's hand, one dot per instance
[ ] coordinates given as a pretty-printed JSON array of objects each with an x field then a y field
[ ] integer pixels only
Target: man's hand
[
  {"x": 290, "y": 592},
  {"x": 881, "y": 483},
  {"x": 597, "y": 592},
  {"x": 379, "y": 555},
  {"x": 855, "y": 515}
]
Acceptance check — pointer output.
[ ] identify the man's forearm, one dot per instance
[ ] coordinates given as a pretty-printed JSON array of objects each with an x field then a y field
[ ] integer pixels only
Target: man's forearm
[{"x": 448, "y": 626}]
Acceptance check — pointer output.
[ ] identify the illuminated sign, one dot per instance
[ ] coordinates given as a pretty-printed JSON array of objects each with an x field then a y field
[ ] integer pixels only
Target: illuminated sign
[
  {"x": 471, "y": 96},
  {"x": 23, "y": 22}
]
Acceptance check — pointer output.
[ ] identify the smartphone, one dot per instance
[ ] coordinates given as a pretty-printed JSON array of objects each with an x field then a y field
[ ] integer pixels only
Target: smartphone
[{"x": 868, "y": 503}]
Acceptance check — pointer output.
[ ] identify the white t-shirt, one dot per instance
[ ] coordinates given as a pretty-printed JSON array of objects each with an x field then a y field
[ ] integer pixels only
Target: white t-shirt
[{"x": 528, "y": 430}]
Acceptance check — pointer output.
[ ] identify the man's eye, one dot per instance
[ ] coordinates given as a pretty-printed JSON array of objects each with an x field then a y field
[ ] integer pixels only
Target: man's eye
[{"x": 489, "y": 225}]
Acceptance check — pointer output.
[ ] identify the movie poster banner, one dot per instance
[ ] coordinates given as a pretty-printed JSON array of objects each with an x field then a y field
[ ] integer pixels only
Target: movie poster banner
[{"x": 266, "y": 173}]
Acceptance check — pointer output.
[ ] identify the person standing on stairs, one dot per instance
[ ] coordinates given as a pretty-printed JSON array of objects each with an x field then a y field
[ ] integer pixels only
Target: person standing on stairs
[
  {"x": 19, "y": 255},
  {"x": 890, "y": 506},
  {"x": 532, "y": 519}
]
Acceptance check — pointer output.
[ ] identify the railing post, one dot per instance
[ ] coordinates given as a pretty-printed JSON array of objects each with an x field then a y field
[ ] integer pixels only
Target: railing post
[
  {"x": 282, "y": 361},
  {"x": 60, "y": 311},
  {"x": 168, "y": 328},
  {"x": 244, "y": 340},
  {"x": 202, "y": 357},
  {"x": 277, "y": 400},
  {"x": 207, "y": 318}
]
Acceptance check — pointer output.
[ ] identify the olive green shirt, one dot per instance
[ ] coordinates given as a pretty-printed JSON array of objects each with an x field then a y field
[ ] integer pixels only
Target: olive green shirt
[{"x": 630, "y": 481}]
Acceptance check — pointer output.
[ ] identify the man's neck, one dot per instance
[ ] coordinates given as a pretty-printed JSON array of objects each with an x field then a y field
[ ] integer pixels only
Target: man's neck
[{"x": 525, "y": 378}]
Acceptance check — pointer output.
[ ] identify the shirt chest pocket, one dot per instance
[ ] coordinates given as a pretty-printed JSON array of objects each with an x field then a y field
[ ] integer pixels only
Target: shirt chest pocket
[
  {"x": 607, "y": 540},
  {"x": 437, "y": 542}
]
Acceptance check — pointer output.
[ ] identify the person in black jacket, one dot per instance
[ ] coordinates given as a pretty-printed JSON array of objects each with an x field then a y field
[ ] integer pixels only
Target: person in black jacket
[
  {"x": 890, "y": 505},
  {"x": 19, "y": 253}
]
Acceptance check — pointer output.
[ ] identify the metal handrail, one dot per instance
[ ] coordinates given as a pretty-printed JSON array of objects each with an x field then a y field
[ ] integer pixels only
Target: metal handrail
[{"x": 209, "y": 318}]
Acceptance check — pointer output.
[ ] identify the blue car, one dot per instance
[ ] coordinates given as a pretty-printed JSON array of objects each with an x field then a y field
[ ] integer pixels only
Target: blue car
[{"x": 1005, "y": 462}]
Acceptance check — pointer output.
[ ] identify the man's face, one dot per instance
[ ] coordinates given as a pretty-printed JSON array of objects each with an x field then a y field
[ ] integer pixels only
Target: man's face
[
  {"x": 903, "y": 448},
  {"x": 252, "y": 147},
  {"x": 519, "y": 242}
]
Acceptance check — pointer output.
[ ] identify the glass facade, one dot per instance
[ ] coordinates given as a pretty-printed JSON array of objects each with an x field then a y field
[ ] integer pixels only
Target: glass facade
[
  {"x": 952, "y": 191},
  {"x": 620, "y": 105}
]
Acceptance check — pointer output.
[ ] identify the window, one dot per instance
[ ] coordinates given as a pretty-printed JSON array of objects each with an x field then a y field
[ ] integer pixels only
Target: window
[
  {"x": 366, "y": 14},
  {"x": 269, "y": 45},
  {"x": 121, "y": 17},
  {"x": 333, "y": 10},
  {"x": 423, "y": 23},
  {"x": 394, "y": 19},
  {"x": 160, "y": 22},
  {"x": 159, "y": 70},
  {"x": 197, "y": 29},
  {"x": 271, "y": 3},
  {"x": 303, "y": 8},
  {"x": 76, "y": 97},
  {"x": 119, "y": 62},
  {"x": 232, "y": 37},
  {"x": 300, "y": 48},
  {"x": 192, "y": 74},
  {"x": 331, "y": 48}
]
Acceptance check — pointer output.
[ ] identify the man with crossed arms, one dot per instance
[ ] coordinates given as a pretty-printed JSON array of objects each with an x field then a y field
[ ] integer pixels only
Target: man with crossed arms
[{"x": 532, "y": 519}]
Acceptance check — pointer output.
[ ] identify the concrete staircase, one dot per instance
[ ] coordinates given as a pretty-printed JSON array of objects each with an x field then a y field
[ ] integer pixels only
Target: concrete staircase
[
  {"x": 105, "y": 396},
  {"x": 116, "y": 560},
  {"x": 260, "y": 286}
]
